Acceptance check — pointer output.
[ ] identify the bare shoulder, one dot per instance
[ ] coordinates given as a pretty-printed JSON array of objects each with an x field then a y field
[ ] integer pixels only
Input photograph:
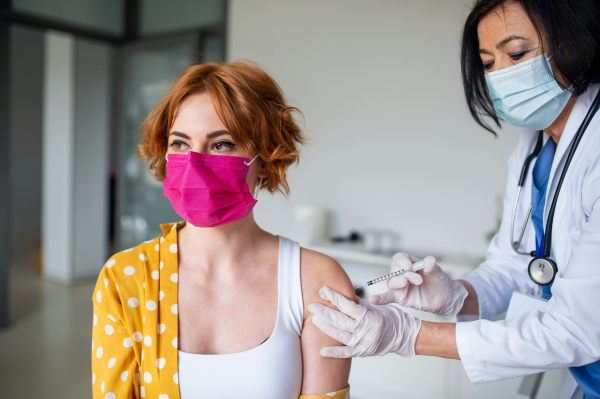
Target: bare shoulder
[{"x": 318, "y": 270}]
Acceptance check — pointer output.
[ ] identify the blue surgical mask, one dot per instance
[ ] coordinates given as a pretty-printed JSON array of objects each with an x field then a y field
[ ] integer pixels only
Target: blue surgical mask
[{"x": 526, "y": 94}]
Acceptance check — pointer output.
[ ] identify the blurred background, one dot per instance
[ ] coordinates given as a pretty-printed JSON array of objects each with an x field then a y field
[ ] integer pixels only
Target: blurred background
[{"x": 395, "y": 161}]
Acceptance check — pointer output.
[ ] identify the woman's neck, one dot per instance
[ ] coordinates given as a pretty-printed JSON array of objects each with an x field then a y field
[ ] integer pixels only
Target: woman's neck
[
  {"x": 555, "y": 130},
  {"x": 223, "y": 246}
]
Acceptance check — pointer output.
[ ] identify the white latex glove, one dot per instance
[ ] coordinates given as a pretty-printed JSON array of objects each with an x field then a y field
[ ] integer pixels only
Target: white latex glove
[
  {"x": 430, "y": 289},
  {"x": 365, "y": 329}
]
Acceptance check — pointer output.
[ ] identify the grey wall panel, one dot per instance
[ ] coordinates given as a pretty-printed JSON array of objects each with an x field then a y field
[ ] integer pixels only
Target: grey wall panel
[
  {"x": 25, "y": 145},
  {"x": 94, "y": 62}
]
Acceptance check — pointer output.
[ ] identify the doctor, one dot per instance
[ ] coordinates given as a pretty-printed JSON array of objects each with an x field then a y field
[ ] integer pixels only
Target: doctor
[{"x": 534, "y": 64}]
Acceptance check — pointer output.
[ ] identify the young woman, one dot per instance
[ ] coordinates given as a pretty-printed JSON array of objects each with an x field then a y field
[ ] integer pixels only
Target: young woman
[{"x": 216, "y": 307}]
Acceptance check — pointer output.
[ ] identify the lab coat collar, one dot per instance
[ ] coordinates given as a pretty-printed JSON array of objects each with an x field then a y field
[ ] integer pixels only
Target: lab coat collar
[{"x": 580, "y": 109}]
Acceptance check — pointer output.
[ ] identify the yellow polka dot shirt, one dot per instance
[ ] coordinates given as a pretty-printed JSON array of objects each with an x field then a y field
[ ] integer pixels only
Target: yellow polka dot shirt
[{"x": 134, "y": 340}]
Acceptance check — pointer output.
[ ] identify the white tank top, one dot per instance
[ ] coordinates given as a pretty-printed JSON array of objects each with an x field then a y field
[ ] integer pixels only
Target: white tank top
[{"x": 272, "y": 370}]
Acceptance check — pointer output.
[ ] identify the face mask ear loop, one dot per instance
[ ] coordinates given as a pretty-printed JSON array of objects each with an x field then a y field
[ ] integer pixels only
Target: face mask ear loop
[
  {"x": 167, "y": 157},
  {"x": 257, "y": 189},
  {"x": 253, "y": 159}
]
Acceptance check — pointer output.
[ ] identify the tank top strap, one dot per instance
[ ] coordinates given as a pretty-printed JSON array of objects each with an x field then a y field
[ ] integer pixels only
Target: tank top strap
[{"x": 290, "y": 304}]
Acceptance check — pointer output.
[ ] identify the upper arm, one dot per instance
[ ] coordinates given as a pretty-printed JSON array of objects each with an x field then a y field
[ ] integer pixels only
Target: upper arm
[
  {"x": 321, "y": 374},
  {"x": 114, "y": 364}
]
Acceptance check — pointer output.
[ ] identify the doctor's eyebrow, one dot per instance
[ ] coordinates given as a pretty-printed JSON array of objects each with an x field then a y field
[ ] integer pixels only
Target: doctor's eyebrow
[{"x": 504, "y": 43}]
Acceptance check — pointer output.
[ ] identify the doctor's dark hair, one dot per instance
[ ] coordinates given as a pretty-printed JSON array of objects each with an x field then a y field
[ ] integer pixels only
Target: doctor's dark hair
[
  {"x": 569, "y": 30},
  {"x": 249, "y": 103}
]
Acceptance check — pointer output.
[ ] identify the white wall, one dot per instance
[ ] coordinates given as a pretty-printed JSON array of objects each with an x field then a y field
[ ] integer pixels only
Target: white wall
[{"x": 393, "y": 145}]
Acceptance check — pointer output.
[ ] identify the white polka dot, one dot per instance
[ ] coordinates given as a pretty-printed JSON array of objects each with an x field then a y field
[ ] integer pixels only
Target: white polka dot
[
  {"x": 127, "y": 342},
  {"x": 151, "y": 305},
  {"x": 143, "y": 257},
  {"x": 102, "y": 387},
  {"x": 161, "y": 328},
  {"x": 162, "y": 239},
  {"x": 330, "y": 394},
  {"x": 174, "y": 277},
  {"x": 147, "y": 340},
  {"x": 176, "y": 378},
  {"x": 95, "y": 319},
  {"x": 142, "y": 355},
  {"x": 99, "y": 352},
  {"x": 110, "y": 263},
  {"x": 144, "y": 285},
  {"x": 93, "y": 378},
  {"x": 163, "y": 396},
  {"x": 160, "y": 363},
  {"x": 133, "y": 302},
  {"x": 128, "y": 250},
  {"x": 142, "y": 392},
  {"x": 129, "y": 270},
  {"x": 98, "y": 296},
  {"x": 117, "y": 287},
  {"x": 124, "y": 375},
  {"x": 347, "y": 396},
  {"x": 161, "y": 295},
  {"x": 112, "y": 362},
  {"x": 112, "y": 318},
  {"x": 155, "y": 274},
  {"x": 162, "y": 264},
  {"x": 174, "y": 226},
  {"x": 147, "y": 377},
  {"x": 157, "y": 247},
  {"x": 148, "y": 242},
  {"x": 173, "y": 248},
  {"x": 137, "y": 336},
  {"x": 110, "y": 395},
  {"x": 106, "y": 283},
  {"x": 109, "y": 329},
  {"x": 174, "y": 342},
  {"x": 144, "y": 319},
  {"x": 174, "y": 308},
  {"x": 92, "y": 344}
]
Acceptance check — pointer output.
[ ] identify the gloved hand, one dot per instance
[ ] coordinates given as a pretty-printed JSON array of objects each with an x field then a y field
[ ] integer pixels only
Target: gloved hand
[
  {"x": 430, "y": 289},
  {"x": 365, "y": 329}
]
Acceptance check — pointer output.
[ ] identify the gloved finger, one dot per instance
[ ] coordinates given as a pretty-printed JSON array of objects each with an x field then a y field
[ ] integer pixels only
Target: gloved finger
[
  {"x": 333, "y": 317},
  {"x": 402, "y": 281},
  {"x": 401, "y": 261},
  {"x": 429, "y": 269},
  {"x": 383, "y": 299},
  {"x": 344, "y": 304},
  {"x": 339, "y": 335},
  {"x": 340, "y": 352}
]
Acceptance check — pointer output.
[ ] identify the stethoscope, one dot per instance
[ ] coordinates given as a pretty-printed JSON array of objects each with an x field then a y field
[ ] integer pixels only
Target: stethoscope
[{"x": 542, "y": 269}]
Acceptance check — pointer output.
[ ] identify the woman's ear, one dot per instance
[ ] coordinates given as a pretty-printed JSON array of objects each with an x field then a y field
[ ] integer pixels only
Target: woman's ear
[{"x": 262, "y": 170}]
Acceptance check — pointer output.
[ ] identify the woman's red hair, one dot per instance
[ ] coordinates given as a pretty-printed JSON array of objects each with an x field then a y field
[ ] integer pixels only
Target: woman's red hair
[{"x": 249, "y": 103}]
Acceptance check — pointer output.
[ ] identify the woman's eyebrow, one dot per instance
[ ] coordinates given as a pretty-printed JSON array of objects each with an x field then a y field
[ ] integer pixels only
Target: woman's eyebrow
[
  {"x": 216, "y": 133},
  {"x": 185, "y": 136},
  {"x": 508, "y": 40}
]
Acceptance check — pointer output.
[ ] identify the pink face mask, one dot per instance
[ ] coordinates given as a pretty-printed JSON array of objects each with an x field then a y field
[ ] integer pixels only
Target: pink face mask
[{"x": 208, "y": 190}]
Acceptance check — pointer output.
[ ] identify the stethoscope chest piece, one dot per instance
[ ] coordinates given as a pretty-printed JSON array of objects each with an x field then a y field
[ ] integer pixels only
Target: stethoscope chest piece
[{"x": 542, "y": 270}]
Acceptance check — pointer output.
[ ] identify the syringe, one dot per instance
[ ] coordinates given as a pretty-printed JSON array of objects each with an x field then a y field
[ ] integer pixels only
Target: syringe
[{"x": 415, "y": 267}]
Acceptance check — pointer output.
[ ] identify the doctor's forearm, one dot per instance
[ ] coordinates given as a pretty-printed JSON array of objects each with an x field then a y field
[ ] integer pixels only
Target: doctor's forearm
[
  {"x": 437, "y": 339},
  {"x": 471, "y": 304}
]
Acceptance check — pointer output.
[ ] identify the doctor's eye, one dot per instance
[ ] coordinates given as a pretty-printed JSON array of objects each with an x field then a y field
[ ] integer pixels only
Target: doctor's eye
[
  {"x": 178, "y": 145},
  {"x": 518, "y": 56},
  {"x": 222, "y": 146}
]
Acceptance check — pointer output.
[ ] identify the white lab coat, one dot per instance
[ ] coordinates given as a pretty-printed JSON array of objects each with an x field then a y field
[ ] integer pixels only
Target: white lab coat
[{"x": 568, "y": 334}]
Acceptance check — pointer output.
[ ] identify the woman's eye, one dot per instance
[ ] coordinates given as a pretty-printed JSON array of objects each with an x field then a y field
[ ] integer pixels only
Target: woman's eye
[
  {"x": 518, "y": 56},
  {"x": 178, "y": 145},
  {"x": 488, "y": 66},
  {"x": 222, "y": 146}
]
